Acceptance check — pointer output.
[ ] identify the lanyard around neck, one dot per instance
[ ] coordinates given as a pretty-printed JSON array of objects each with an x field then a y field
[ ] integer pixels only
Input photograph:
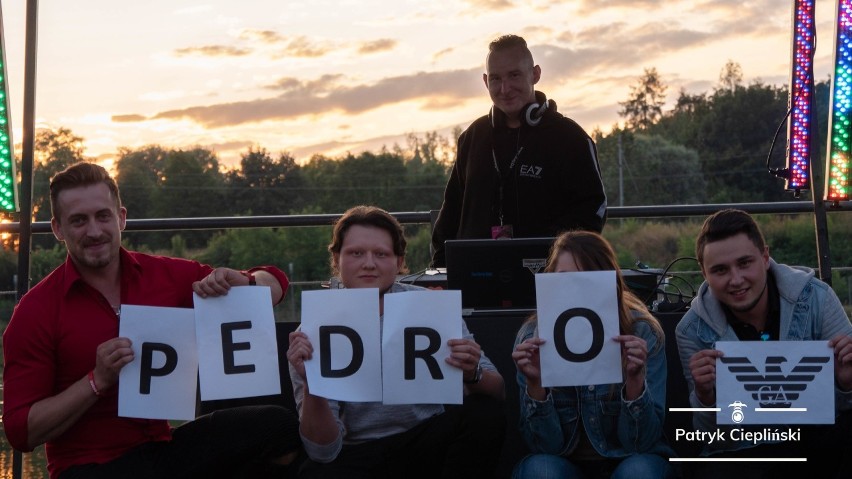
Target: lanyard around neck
[
  {"x": 518, "y": 150},
  {"x": 511, "y": 163},
  {"x": 508, "y": 175}
]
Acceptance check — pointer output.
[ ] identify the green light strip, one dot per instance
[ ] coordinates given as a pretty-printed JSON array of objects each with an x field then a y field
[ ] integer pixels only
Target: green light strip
[
  {"x": 839, "y": 142},
  {"x": 8, "y": 178}
]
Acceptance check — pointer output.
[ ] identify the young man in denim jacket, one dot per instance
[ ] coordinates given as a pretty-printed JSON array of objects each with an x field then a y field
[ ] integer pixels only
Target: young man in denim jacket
[{"x": 747, "y": 296}]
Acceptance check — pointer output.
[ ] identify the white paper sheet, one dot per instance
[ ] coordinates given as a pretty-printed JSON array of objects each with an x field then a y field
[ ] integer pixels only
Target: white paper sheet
[
  {"x": 170, "y": 359},
  {"x": 422, "y": 321},
  {"x": 775, "y": 382},
  {"x": 344, "y": 330},
  {"x": 580, "y": 311},
  {"x": 237, "y": 346}
]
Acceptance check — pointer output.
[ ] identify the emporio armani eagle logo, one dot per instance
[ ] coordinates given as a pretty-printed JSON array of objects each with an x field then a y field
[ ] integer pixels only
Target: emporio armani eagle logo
[{"x": 775, "y": 389}]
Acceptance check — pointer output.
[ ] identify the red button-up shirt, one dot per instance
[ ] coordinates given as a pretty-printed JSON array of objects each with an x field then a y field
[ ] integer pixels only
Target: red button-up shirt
[{"x": 51, "y": 340}]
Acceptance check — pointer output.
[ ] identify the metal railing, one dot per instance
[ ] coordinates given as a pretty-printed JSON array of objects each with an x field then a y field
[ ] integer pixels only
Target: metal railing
[{"x": 425, "y": 217}]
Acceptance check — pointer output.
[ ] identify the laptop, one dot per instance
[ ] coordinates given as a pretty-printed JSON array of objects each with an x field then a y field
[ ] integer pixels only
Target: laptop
[{"x": 496, "y": 275}]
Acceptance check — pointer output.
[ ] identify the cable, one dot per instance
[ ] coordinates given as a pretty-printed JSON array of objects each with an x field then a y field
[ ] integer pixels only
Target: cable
[
  {"x": 688, "y": 283},
  {"x": 663, "y": 277},
  {"x": 666, "y": 293},
  {"x": 412, "y": 278},
  {"x": 778, "y": 172}
]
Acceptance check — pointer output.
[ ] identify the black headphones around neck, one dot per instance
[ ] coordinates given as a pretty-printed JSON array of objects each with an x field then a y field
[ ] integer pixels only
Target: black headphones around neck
[{"x": 532, "y": 112}]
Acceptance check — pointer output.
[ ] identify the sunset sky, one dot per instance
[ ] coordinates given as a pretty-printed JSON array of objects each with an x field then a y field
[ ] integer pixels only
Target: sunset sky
[{"x": 329, "y": 77}]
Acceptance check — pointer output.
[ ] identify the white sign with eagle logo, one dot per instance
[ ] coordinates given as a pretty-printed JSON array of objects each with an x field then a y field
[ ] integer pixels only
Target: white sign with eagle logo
[{"x": 775, "y": 382}]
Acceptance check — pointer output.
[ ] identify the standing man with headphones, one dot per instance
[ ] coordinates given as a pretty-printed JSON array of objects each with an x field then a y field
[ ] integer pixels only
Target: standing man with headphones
[{"x": 523, "y": 170}]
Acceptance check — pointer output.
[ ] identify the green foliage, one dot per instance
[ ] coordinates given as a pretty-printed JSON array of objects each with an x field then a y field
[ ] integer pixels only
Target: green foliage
[
  {"x": 138, "y": 174},
  {"x": 364, "y": 179},
  {"x": 8, "y": 269},
  {"x": 43, "y": 261},
  {"x": 307, "y": 252},
  {"x": 731, "y": 76},
  {"x": 7, "y": 307},
  {"x": 387, "y": 180},
  {"x": 258, "y": 246},
  {"x": 191, "y": 185},
  {"x": 158, "y": 183},
  {"x": 654, "y": 169},
  {"x": 652, "y": 242},
  {"x": 840, "y": 234},
  {"x": 730, "y": 129},
  {"x": 265, "y": 186},
  {"x": 55, "y": 151},
  {"x": 418, "y": 255},
  {"x": 219, "y": 249},
  {"x": 178, "y": 246},
  {"x": 644, "y": 107},
  {"x": 301, "y": 252},
  {"x": 791, "y": 240}
]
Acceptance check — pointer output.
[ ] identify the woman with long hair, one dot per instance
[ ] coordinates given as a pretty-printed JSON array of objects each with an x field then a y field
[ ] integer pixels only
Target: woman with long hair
[{"x": 604, "y": 430}]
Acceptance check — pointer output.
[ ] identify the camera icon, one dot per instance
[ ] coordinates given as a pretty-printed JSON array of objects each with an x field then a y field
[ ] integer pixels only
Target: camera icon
[{"x": 737, "y": 414}]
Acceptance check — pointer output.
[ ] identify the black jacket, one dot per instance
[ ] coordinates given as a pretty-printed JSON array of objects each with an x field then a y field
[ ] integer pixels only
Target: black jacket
[{"x": 554, "y": 185}]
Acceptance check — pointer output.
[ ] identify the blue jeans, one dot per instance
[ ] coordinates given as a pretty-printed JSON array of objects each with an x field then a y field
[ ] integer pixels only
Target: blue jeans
[{"x": 637, "y": 466}]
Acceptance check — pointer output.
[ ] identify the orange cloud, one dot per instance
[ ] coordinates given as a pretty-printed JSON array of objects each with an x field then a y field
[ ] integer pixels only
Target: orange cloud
[
  {"x": 375, "y": 46},
  {"x": 319, "y": 86},
  {"x": 301, "y": 46},
  {"x": 490, "y": 4},
  {"x": 127, "y": 118},
  {"x": 325, "y": 95},
  {"x": 264, "y": 36},
  {"x": 441, "y": 53},
  {"x": 213, "y": 51}
]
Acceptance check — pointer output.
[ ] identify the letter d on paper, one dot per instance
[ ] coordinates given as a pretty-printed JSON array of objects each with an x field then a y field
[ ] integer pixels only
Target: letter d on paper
[{"x": 325, "y": 333}]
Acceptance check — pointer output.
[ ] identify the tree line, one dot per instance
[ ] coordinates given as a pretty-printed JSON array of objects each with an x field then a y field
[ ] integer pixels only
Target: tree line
[
  {"x": 712, "y": 147},
  {"x": 158, "y": 182}
]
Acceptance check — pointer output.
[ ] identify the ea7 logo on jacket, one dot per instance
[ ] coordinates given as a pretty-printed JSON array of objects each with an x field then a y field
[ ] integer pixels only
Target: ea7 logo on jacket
[
  {"x": 531, "y": 171},
  {"x": 774, "y": 389}
]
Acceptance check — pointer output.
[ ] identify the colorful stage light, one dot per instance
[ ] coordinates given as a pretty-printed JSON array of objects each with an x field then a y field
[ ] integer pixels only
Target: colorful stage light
[
  {"x": 801, "y": 93},
  {"x": 8, "y": 178},
  {"x": 839, "y": 142}
]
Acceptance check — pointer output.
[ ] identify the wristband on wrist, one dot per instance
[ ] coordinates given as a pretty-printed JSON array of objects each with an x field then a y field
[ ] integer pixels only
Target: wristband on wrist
[
  {"x": 251, "y": 278},
  {"x": 477, "y": 375},
  {"x": 93, "y": 385}
]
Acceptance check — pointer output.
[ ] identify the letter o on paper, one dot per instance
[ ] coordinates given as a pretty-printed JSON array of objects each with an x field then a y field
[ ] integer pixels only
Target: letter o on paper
[{"x": 597, "y": 335}]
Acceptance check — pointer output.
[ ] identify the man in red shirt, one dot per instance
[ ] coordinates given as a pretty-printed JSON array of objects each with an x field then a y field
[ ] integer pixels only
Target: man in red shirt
[{"x": 63, "y": 355}]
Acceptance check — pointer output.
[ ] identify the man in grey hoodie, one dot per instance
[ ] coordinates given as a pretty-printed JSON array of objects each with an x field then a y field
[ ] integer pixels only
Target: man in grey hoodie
[{"x": 747, "y": 296}]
